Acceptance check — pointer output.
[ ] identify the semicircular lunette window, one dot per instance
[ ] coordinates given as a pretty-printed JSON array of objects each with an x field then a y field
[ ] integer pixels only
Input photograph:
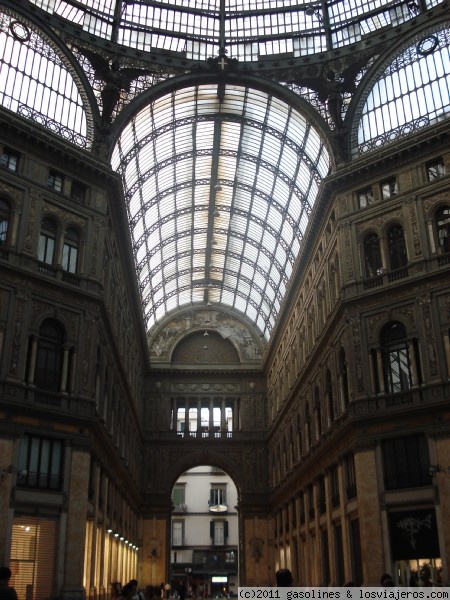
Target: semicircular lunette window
[
  {"x": 36, "y": 84},
  {"x": 412, "y": 92},
  {"x": 219, "y": 183}
]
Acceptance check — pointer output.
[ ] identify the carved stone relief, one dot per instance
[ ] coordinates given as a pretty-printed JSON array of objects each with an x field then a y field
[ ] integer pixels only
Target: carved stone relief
[{"x": 162, "y": 344}]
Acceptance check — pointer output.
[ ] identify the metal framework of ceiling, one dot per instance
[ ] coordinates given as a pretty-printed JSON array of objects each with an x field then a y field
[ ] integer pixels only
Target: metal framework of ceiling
[
  {"x": 220, "y": 181},
  {"x": 220, "y": 178}
]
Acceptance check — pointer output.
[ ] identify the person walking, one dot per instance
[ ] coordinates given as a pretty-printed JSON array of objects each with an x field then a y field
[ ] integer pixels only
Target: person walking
[{"x": 7, "y": 592}]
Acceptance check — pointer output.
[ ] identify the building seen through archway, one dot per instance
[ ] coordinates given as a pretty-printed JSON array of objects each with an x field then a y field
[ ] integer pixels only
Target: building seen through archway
[
  {"x": 223, "y": 241},
  {"x": 204, "y": 534}
]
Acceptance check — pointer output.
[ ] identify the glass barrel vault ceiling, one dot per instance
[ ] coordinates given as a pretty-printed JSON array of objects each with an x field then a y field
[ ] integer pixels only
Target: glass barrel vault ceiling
[{"x": 219, "y": 182}]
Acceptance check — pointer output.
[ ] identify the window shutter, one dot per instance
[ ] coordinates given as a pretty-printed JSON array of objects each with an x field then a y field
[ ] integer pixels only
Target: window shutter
[
  {"x": 211, "y": 529},
  {"x": 225, "y": 529}
]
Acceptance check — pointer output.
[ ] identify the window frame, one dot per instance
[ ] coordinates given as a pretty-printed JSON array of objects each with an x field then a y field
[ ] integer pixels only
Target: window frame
[
  {"x": 366, "y": 197},
  {"x": 396, "y": 352},
  {"x": 435, "y": 169},
  {"x": 10, "y": 159},
  {"x": 373, "y": 257},
  {"x": 406, "y": 462},
  {"x": 70, "y": 251},
  {"x": 389, "y": 188},
  {"x": 46, "y": 236},
  {"x": 442, "y": 224},
  {"x": 5, "y": 222},
  {"x": 397, "y": 248},
  {"x": 55, "y": 181},
  {"x": 40, "y": 463}
]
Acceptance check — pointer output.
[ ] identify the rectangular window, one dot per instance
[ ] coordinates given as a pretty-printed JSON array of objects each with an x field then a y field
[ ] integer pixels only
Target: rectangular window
[
  {"x": 334, "y": 485},
  {"x": 435, "y": 169},
  {"x": 55, "y": 181},
  {"x": 178, "y": 498},
  {"x": 389, "y": 188},
  {"x": 177, "y": 533},
  {"x": 219, "y": 532},
  {"x": 218, "y": 496},
  {"x": 70, "y": 257},
  {"x": 321, "y": 498},
  {"x": 365, "y": 197},
  {"x": 350, "y": 476},
  {"x": 78, "y": 192},
  {"x": 406, "y": 462},
  {"x": 10, "y": 159},
  {"x": 40, "y": 463}
]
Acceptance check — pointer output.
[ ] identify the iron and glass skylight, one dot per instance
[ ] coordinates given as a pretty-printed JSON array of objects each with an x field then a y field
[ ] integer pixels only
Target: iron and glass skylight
[
  {"x": 248, "y": 30},
  {"x": 219, "y": 183}
]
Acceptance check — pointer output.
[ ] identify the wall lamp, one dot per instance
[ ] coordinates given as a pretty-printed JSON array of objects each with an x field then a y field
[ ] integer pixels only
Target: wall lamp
[
  {"x": 11, "y": 469},
  {"x": 434, "y": 469}
]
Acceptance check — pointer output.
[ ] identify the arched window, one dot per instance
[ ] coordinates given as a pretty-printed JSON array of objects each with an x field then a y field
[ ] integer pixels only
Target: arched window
[
  {"x": 372, "y": 255},
  {"x": 397, "y": 247},
  {"x": 47, "y": 242},
  {"x": 5, "y": 217},
  {"x": 411, "y": 92},
  {"x": 396, "y": 359},
  {"x": 443, "y": 229},
  {"x": 70, "y": 251},
  {"x": 49, "y": 356}
]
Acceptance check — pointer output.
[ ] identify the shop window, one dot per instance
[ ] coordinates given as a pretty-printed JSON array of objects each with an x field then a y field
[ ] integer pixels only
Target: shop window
[
  {"x": 435, "y": 169},
  {"x": 33, "y": 557},
  {"x": 396, "y": 358},
  {"x": 398, "y": 258},
  {"x": 40, "y": 463},
  {"x": 47, "y": 242},
  {"x": 443, "y": 229},
  {"x": 406, "y": 462},
  {"x": 365, "y": 197},
  {"x": 5, "y": 218},
  {"x": 49, "y": 356},
  {"x": 55, "y": 181},
  {"x": 70, "y": 251},
  {"x": 389, "y": 188},
  {"x": 10, "y": 159},
  {"x": 372, "y": 255}
]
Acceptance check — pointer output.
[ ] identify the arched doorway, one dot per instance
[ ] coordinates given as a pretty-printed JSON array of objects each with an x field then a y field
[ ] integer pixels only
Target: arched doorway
[{"x": 204, "y": 541}]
